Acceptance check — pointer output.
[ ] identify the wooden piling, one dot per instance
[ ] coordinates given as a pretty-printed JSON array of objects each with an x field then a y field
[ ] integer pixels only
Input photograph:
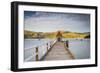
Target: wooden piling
[
  {"x": 37, "y": 54},
  {"x": 67, "y": 44}
]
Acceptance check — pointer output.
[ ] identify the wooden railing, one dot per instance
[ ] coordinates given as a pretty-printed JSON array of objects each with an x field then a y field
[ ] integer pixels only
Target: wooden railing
[
  {"x": 66, "y": 44},
  {"x": 38, "y": 52}
]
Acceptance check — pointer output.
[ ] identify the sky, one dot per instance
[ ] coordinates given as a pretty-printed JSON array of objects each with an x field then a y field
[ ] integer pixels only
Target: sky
[{"x": 53, "y": 21}]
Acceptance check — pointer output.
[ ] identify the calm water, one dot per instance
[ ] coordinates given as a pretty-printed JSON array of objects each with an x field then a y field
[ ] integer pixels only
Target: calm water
[
  {"x": 80, "y": 48},
  {"x": 29, "y": 43}
]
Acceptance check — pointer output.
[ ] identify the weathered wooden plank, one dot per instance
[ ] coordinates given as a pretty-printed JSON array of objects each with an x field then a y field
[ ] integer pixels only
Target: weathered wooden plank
[{"x": 58, "y": 52}]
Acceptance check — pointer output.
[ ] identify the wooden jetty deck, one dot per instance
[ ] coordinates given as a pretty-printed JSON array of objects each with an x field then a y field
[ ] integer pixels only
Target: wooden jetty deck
[{"x": 59, "y": 51}]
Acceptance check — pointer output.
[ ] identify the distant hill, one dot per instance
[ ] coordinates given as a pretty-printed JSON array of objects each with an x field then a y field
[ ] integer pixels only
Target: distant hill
[
  {"x": 75, "y": 35},
  {"x": 65, "y": 34}
]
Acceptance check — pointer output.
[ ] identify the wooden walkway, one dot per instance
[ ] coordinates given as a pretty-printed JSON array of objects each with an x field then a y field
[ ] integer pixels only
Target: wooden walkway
[{"x": 59, "y": 52}]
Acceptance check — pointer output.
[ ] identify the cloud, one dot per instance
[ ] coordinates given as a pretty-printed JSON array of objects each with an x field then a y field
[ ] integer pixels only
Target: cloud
[{"x": 49, "y": 22}]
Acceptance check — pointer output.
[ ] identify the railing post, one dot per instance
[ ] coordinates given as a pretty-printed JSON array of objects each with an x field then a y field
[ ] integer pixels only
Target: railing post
[
  {"x": 51, "y": 44},
  {"x": 47, "y": 46},
  {"x": 36, "y": 53}
]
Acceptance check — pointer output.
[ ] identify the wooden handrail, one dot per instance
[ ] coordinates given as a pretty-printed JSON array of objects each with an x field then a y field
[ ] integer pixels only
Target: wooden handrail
[
  {"x": 67, "y": 46},
  {"x": 36, "y": 55}
]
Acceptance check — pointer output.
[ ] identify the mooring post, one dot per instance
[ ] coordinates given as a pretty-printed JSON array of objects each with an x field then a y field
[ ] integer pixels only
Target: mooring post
[
  {"x": 36, "y": 53},
  {"x": 67, "y": 44}
]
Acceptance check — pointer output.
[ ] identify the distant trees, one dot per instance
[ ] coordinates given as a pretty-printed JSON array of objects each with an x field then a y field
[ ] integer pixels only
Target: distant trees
[
  {"x": 88, "y": 36},
  {"x": 28, "y": 34},
  {"x": 55, "y": 35},
  {"x": 59, "y": 36}
]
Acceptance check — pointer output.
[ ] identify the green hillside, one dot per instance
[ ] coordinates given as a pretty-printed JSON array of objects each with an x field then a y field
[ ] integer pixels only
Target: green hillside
[{"x": 51, "y": 35}]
